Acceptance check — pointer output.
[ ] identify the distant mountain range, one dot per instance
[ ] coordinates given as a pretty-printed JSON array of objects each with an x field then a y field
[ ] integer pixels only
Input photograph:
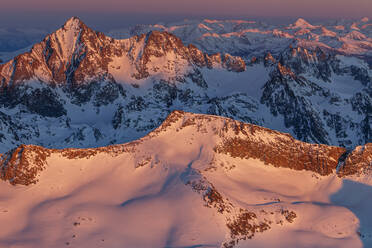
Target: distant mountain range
[{"x": 253, "y": 38}]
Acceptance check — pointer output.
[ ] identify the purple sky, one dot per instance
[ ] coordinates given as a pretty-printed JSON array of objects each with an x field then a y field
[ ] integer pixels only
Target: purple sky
[{"x": 104, "y": 13}]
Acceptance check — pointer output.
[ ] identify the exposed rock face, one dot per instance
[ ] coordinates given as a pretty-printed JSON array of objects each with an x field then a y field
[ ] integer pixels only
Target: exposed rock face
[
  {"x": 281, "y": 94},
  {"x": 76, "y": 54},
  {"x": 235, "y": 64},
  {"x": 278, "y": 149},
  {"x": 359, "y": 161},
  {"x": 285, "y": 152},
  {"x": 71, "y": 54},
  {"x": 316, "y": 62},
  {"x": 23, "y": 164},
  {"x": 269, "y": 60}
]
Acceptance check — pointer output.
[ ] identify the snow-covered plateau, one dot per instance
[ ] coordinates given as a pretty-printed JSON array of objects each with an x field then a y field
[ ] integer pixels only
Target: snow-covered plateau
[{"x": 195, "y": 181}]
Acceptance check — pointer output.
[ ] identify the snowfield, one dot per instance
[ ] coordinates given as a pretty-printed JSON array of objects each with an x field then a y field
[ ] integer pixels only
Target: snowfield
[{"x": 172, "y": 188}]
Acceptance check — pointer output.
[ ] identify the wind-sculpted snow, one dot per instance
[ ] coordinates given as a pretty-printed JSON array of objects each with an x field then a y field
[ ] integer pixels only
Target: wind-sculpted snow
[{"x": 180, "y": 185}]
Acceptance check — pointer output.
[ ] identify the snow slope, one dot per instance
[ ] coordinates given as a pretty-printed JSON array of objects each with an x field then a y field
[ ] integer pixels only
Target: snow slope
[{"x": 176, "y": 188}]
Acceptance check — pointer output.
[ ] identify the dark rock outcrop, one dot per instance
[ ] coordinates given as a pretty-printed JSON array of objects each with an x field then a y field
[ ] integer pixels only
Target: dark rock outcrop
[
  {"x": 23, "y": 164},
  {"x": 358, "y": 162}
]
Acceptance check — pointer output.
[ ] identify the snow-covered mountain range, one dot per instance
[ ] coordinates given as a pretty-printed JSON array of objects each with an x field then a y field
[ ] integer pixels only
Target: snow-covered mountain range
[
  {"x": 253, "y": 38},
  {"x": 81, "y": 88},
  {"x": 195, "y": 181},
  {"x": 195, "y": 178}
]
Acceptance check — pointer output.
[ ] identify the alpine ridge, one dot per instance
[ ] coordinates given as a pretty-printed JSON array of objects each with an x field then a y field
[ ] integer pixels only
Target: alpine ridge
[
  {"x": 236, "y": 139},
  {"x": 236, "y": 185}
]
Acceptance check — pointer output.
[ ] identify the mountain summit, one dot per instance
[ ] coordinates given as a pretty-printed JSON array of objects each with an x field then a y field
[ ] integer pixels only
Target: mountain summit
[
  {"x": 301, "y": 23},
  {"x": 76, "y": 54}
]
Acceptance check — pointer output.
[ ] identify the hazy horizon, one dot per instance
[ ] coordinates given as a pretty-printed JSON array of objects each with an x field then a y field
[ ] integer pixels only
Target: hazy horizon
[{"x": 109, "y": 14}]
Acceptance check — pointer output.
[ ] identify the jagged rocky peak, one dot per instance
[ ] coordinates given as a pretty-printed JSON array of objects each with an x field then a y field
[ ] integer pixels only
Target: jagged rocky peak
[
  {"x": 285, "y": 72},
  {"x": 66, "y": 40},
  {"x": 269, "y": 60},
  {"x": 234, "y": 63},
  {"x": 73, "y": 24},
  {"x": 308, "y": 60},
  {"x": 59, "y": 57},
  {"x": 306, "y": 54},
  {"x": 76, "y": 54},
  {"x": 163, "y": 41},
  {"x": 160, "y": 43},
  {"x": 301, "y": 23},
  {"x": 70, "y": 36}
]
